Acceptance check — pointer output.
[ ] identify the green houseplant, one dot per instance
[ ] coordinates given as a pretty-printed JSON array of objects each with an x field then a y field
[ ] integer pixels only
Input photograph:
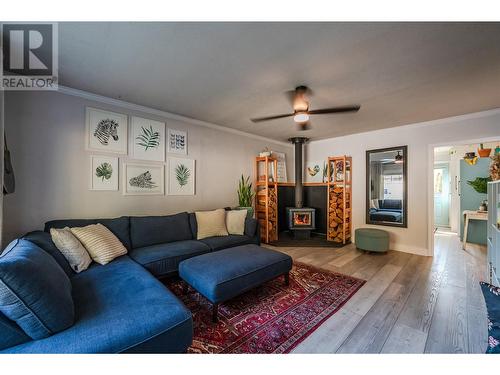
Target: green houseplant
[
  {"x": 245, "y": 195},
  {"x": 480, "y": 184}
]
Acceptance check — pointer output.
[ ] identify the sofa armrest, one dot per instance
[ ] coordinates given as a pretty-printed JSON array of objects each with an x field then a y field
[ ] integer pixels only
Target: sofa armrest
[{"x": 252, "y": 227}]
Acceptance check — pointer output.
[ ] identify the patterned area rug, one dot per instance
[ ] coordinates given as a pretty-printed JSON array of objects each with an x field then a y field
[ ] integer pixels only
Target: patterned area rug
[{"x": 273, "y": 318}]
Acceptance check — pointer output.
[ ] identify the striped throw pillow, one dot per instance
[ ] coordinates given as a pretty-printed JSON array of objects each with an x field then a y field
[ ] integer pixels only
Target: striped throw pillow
[
  {"x": 211, "y": 223},
  {"x": 100, "y": 242}
]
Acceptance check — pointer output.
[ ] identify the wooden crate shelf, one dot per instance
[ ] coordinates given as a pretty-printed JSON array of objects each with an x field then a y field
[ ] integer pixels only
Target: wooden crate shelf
[
  {"x": 266, "y": 197},
  {"x": 339, "y": 199}
]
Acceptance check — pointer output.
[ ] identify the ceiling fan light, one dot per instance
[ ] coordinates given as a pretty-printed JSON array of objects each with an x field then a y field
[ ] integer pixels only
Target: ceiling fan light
[{"x": 301, "y": 117}]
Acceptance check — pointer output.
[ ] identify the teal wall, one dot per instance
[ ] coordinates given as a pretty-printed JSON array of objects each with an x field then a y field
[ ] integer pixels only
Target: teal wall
[{"x": 470, "y": 199}]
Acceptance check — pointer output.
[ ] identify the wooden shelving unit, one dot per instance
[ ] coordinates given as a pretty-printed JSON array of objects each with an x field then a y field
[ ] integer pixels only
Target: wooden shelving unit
[
  {"x": 266, "y": 197},
  {"x": 339, "y": 182}
]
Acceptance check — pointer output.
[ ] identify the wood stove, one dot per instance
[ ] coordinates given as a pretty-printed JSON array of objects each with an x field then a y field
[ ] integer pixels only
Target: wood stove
[{"x": 301, "y": 220}]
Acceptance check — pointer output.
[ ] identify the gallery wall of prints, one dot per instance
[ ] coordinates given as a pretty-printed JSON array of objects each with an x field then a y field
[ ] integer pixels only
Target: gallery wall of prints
[{"x": 142, "y": 146}]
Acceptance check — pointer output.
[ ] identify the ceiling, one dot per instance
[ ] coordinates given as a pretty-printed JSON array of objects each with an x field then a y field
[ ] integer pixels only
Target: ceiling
[{"x": 226, "y": 73}]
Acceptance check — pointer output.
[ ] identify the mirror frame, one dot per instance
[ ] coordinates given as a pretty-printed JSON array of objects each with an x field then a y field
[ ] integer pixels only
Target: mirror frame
[{"x": 404, "y": 224}]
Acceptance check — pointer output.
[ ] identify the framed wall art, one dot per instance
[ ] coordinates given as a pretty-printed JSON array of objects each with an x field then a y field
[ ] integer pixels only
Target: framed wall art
[
  {"x": 147, "y": 139},
  {"x": 143, "y": 179},
  {"x": 181, "y": 176},
  {"x": 103, "y": 173},
  {"x": 106, "y": 131},
  {"x": 177, "y": 141}
]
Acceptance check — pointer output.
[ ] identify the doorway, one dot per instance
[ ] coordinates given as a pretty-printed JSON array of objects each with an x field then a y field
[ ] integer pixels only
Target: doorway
[{"x": 442, "y": 195}]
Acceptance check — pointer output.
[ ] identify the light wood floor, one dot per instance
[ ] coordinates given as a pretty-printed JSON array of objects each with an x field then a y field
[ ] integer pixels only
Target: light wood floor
[{"x": 409, "y": 304}]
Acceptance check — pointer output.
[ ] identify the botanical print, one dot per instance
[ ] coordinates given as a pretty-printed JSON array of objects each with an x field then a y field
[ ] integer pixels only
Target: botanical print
[
  {"x": 143, "y": 179},
  {"x": 106, "y": 131},
  {"x": 182, "y": 174},
  {"x": 147, "y": 139},
  {"x": 177, "y": 141},
  {"x": 103, "y": 173},
  {"x": 181, "y": 177}
]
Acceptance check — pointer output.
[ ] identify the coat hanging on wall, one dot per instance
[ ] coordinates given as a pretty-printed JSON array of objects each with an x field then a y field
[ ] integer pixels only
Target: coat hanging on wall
[{"x": 9, "y": 182}]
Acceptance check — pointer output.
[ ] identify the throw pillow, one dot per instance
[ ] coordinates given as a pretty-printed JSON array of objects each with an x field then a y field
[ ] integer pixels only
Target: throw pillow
[
  {"x": 71, "y": 248},
  {"x": 34, "y": 290},
  {"x": 101, "y": 244},
  {"x": 235, "y": 221},
  {"x": 211, "y": 223},
  {"x": 492, "y": 298}
]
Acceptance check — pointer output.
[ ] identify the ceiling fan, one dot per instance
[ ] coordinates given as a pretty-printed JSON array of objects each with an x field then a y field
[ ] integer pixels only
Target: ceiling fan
[{"x": 301, "y": 112}]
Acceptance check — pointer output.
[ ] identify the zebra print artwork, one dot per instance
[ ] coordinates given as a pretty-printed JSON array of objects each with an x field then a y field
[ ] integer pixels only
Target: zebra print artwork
[
  {"x": 143, "y": 181},
  {"x": 105, "y": 129}
]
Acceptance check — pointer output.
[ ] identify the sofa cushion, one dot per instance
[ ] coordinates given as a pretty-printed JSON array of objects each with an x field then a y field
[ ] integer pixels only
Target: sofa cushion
[
  {"x": 152, "y": 230},
  {"x": 250, "y": 227},
  {"x": 492, "y": 298},
  {"x": 44, "y": 241},
  {"x": 120, "y": 226},
  {"x": 10, "y": 333},
  {"x": 164, "y": 259},
  {"x": 211, "y": 223},
  {"x": 235, "y": 221},
  {"x": 34, "y": 291},
  {"x": 120, "y": 307},
  {"x": 71, "y": 248},
  {"x": 101, "y": 244},
  {"x": 218, "y": 243}
]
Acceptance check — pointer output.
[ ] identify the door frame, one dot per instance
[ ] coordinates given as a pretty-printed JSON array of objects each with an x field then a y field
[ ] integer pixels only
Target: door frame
[{"x": 430, "y": 183}]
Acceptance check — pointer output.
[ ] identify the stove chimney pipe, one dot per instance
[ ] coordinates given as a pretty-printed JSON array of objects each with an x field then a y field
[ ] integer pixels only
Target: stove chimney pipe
[{"x": 299, "y": 188}]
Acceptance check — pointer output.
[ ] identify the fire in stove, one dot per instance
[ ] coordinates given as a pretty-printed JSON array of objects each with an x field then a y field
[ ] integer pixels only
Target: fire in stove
[{"x": 302, "y": 218}]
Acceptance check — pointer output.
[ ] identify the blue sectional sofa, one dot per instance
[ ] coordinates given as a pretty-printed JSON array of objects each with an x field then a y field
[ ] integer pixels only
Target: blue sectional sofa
[
  {"x": 390, "y": 210},
  {"x": 121, "y": 307}
]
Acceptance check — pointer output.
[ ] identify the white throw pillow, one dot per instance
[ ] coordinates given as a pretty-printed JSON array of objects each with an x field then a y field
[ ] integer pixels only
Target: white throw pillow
[
  {"x": 211, "y": 223},
  {"x": 71, "y": 248},
  {"x": 235, "y": 221},
  {"x": 100, "y": 242}
]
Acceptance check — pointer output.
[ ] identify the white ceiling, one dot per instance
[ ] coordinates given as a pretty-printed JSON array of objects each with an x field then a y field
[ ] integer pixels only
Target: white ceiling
[{"x": 226, "y": 73}]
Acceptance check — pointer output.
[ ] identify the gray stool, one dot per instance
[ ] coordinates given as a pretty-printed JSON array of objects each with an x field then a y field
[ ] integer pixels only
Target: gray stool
[{"x": 371, "y": 239}]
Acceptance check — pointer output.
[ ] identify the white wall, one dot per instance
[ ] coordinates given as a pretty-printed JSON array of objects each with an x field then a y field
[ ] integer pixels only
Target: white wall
[
  {"x": 419, "y": 138},
  {"x": 46, "y": 136}
]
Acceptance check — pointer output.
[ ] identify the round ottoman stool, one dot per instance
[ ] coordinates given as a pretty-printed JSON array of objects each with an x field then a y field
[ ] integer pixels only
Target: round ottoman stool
[{"x": 371, "y": 239}]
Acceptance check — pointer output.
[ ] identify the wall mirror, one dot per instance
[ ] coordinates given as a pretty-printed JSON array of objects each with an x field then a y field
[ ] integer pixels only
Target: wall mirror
[{"x": 386, "y": 186}]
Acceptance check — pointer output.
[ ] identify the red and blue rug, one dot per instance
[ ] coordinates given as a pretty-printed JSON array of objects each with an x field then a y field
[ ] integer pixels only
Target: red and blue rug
[{"x": 273, "y": 318}]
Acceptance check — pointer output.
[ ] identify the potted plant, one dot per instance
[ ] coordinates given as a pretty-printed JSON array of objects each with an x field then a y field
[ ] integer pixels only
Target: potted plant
[
  {"x": 483, "y": 152},
  {"x": 245, "y": 196}
]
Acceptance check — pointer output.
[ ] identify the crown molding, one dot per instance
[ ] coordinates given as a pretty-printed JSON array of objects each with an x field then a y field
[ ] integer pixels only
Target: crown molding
[{"x": 172, "y": 116}]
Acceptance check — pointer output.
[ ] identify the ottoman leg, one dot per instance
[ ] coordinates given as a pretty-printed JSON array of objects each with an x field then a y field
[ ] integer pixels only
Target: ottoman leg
[
  {"x": 287, "y": 278},
  {"x": 215, "y": 312}
]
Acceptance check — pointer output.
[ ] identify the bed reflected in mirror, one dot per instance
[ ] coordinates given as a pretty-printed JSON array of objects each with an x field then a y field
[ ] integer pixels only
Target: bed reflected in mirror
[{"x": 386, "y": 186}]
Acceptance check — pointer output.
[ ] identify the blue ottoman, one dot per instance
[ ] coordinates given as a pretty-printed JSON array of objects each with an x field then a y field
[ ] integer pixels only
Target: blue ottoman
[{"x": 224, "y": 274}]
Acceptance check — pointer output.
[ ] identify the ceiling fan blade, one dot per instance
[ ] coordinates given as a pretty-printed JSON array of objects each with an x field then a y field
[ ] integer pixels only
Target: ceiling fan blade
[
  {"x": 347, "y": 108},
  {"x": 260, "y": 119}
]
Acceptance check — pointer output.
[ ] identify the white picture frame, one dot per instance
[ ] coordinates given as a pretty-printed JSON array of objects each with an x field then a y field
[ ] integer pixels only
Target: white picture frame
[
  {"x": 104, "y": 173},
  {"x": 281, "y": 172},
  {"x": 176, "y": 166},
  {"x": 177, "y": 141},
  {"x": 147, "y": 139},
  {"x": 149, "y": 179},
  {"x": 106, "y": 131}
]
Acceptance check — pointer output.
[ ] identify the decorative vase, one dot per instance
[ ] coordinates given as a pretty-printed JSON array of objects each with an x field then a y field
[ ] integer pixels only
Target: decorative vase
[
  {"x": 249, "y": 211},
  {"x": 484, "y": 206},
  {"x": 484, "y": 152}
]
